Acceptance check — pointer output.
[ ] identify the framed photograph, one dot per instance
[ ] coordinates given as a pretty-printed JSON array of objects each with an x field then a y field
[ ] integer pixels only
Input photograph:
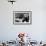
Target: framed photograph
[{"x": 22, "y": 17}]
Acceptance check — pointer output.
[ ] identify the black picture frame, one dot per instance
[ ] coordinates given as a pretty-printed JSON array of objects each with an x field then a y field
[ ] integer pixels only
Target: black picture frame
[{"x": 22, "y": 17}]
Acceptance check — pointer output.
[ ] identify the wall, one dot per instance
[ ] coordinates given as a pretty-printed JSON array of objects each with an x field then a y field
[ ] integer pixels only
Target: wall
[{"x": 9, "y": 31}]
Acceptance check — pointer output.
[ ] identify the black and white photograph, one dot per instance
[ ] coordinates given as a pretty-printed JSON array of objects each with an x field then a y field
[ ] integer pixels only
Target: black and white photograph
[{"x": 22, "y": 17}]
